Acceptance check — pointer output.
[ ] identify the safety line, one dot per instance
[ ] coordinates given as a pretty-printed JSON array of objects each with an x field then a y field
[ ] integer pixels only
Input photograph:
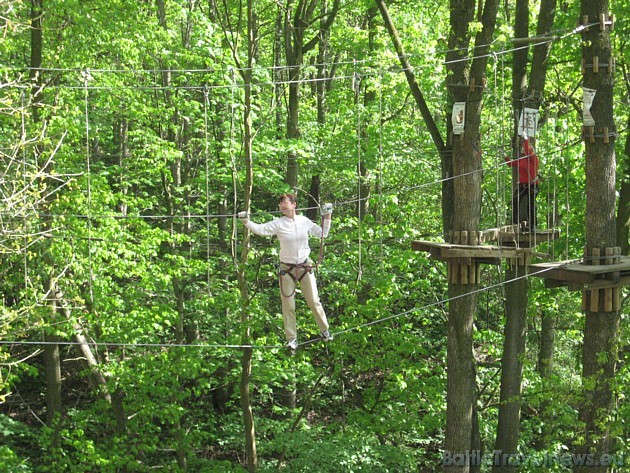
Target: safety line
[
  {"x": 554, "y": 36},
  {"x": 579, "y": 29},
  {"x": 308, "y": 342},
  {"x": 338, "y": 203},
  {"x": 445, "y": 301}
]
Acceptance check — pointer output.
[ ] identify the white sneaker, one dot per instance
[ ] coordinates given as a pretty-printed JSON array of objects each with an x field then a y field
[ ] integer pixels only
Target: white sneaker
[
  {"x": 326, "y": 336},
  {"x": 292, "y": 344}
]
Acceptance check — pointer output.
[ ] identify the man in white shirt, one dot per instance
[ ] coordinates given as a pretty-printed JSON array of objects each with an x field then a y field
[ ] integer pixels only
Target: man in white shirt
[{"x": 293, "y": 233}]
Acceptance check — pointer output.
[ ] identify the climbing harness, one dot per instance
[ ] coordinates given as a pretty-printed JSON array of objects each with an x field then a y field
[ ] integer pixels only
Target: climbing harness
[{"x": 296, "y": 271}]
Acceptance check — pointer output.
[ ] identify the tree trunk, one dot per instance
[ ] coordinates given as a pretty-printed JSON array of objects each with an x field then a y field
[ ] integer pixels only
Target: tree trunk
[
  {"x": 251, "y": 455},
  {"x": 466, "y": 84},
  {"x": 460, "y": 362},
  {"x": 517, "y": 292},
  {"x": 52, "y": 365},
  {"x": 294, "y": 45},
  {"x": 321, "y": 88},
  {"x": 544, "y": 366},
  {"x": 295, "y": 25},
  {"x": 509, "y": 423},
  {"x": 601, "y": 331},
  {"x": 461, "y": 203}
]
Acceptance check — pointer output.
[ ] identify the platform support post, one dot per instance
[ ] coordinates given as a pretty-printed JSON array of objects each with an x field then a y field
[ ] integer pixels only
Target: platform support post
[{"x": 607, "y": 299}]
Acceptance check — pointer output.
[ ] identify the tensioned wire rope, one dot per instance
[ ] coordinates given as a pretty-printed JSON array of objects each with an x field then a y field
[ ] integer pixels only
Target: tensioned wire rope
[
  {"x": 354, "y": 201},
  {"x": 554, "y": 36},
  {"x": 205, "y": 89},
  {"x": 308, "y": 342},
  {"x": 393, "y": 191},
  {"x": 501, "y": 284},
  {"x": 310, "y": 80}
]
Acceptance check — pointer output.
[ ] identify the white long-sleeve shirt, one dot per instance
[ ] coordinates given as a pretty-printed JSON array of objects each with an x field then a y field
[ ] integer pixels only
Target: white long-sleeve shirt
[{"x": 293, "y": 235}]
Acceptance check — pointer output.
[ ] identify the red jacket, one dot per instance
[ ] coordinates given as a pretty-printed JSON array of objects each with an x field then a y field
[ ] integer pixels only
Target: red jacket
[{"x": 527, "y": 165}]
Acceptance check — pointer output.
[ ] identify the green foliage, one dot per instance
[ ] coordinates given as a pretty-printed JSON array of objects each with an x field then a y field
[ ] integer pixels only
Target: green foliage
[
  {"x": 347, "y": 451},
  {"x": 121, "y": 188}
]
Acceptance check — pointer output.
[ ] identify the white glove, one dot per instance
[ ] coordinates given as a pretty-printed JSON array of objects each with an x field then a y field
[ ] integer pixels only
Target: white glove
[
  {"x": 327, "y": 209},
  {"x": 243, "y": 217}
]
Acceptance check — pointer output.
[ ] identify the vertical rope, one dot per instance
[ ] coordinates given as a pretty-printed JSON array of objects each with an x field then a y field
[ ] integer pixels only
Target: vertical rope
[
  {"x": 380, "y": 166},
  {"x": 24, "y": 157},
  {"x": 566, "y": 168},
  {"x": 500, "y": 168},
  {"x": 206, "y": 153},
  {"x": 553, "y": 208},
  {"x": 86, "y": 79},
  {"x": 357, "y": 80}
]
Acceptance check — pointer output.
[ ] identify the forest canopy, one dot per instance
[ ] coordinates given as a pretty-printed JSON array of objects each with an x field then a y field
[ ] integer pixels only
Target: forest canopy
[{"x": 141, "y": 324}]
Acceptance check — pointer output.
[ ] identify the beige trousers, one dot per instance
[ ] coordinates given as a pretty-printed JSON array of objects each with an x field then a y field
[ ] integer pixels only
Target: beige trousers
[{"x": 308, "y": 286}]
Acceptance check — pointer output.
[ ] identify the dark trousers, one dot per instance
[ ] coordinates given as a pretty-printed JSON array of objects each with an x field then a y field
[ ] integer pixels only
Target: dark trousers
[{"x": 524, "y": 205}]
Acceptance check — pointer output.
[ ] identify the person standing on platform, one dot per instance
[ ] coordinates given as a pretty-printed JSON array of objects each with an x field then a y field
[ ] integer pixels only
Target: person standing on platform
[{"x": 524, "y": 196}]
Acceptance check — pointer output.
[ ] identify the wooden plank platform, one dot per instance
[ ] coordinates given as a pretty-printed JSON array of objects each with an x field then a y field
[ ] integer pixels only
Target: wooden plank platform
[
  {"x": 579, "y": 277},
  {"x": 514, "y": 236},
  {"x": 467, "y": 254}
]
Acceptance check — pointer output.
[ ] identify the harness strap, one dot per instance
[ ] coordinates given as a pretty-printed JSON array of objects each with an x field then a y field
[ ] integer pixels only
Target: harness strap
[{"x": 291, "y": 271}]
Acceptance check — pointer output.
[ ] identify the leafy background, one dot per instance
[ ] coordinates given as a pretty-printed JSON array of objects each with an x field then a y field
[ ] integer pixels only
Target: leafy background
[{"x": 141, "y": 240}]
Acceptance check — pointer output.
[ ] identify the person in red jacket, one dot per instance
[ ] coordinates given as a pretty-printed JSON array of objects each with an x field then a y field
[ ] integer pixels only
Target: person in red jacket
[{"x": 524, "y": 197}]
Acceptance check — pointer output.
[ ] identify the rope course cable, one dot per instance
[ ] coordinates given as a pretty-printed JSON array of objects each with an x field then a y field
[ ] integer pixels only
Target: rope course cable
[
  {"x": 554, "y": 36},
  {"x": 356, "y": 77},
  {"x": 308, "y": 342},
  {"x": 399, "y": 190},
  {"x": 359, "y": 175},
  {"x": 86, "y": 80}
]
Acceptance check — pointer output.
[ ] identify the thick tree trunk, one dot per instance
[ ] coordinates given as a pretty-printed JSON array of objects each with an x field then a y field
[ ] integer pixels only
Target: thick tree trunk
[
  {"x": 509, "y": 423},
  {"x": 461, "y": 383},
  {"x": 538, "y": 76},
  {"x": 466, "y": 82},
  {"x": 601, "y": 332}
]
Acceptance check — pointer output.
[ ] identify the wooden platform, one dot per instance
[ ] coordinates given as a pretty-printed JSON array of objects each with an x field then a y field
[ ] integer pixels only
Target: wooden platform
[
  {"x": 468, "y": 254},
  {"x": 466, "y": 251},
  {"x": 515, "y": 236},
  {"x": 579, "y": 277}
]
